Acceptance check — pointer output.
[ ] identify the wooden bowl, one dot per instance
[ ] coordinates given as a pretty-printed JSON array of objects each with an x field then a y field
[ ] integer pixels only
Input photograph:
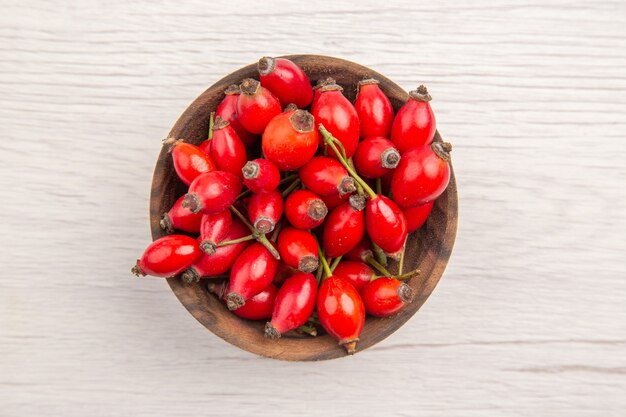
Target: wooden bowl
[{"x": 428, "y": 249}]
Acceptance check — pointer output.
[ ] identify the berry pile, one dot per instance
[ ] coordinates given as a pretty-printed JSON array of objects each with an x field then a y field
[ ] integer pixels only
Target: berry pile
[{"x": 296, "y": 227}]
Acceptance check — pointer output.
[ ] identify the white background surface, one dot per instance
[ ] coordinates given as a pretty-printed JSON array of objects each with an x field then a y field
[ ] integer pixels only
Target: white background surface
[{"x": 530, "y": 317}]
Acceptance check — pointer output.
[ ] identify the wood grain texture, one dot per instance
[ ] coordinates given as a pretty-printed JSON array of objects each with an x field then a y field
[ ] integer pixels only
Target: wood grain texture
[{"x": 529, "y": 318}]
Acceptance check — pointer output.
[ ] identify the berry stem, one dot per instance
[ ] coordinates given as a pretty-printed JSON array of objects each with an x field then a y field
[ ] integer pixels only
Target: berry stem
[
  {"x": 330, "y": 141},
  {"x": 232, "y": 242},
  {"x": 373, "y": 262},
  {"x": 288, "y": 178},
  {"x": 307, "y": 329},
  {"x": 335, "y": 263},
  {"x": 291, "y": 187},
  {"x": 379, "y": 186},
  {"x": 401, "y": 262},
  {"x": 276, "y": 231},
  {"x": 258, "y": 236},
  {"x": 380, "y": 255},
  {"x": 211, "y": 123},
  {"x": 408, "y": 275},
  {"x": 318, "y": 275},
  {"x": 323, "y": 261},
  {"x": 243, "y": 194}
]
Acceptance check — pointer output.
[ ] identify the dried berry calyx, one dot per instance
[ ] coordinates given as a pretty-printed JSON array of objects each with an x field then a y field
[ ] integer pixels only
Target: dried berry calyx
[
  {"x": 266, "y": 65},
  {"x": 442, "y": 149},
  {"x": 390, "y": 158},
  {"x": 302, "y": 121},
  {"x": 250, "y": 86},
  {"x": 250, "y": 170},
  {"x": 405, "y": 293},
  {"x": 421, "y": 94},
  {"x": 232, "y": 89}
]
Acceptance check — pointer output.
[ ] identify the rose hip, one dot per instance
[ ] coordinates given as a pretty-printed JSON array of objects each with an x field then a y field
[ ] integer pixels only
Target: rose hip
[
  {"x": 180, "y": 218},
  {"x": 338, "y": 115},
  {"x": 293, "y": 305},
  {"x": 286, "y": 81},
  {"x": 374, "y": 110},
  {"x": 304, "y": 209},
  {"x": 190, "y": 161},
  {"x": 260, "y": 175},
  {"x": 290, "y": 139},
  {"x": 298, "y": 249},
  {"x": 321, "y": 83},
  {"x": 375, "y": 157},
  {"x": 265, "y": 210},
  {"x": 227, "y": 110},
  {"x": 213, "y": 229},
  {"x": 260, "y": 306},
  {"x": 344, "y": 228},
  {"x": 227, "y": 150},
  {"x": 326, "y": 176},
  {"x": 341, "y": 311},
  {"x": 359, "y": 274},
  {"x": 416, "y": 216},
  {"x": 211, "y": 265},
  {"x": 212, "y": 192},
  {"x": 384, "y": 296},
  {"x": 256, "y": 106},
  {"x": 167, "y": 256},
  {"x": 422, "y": 175},
  {"x": 386, "y": 224},
  {"x": 284, "y": 271},
  {"x": 361, "y": 251},
  {"x": 414, "y": 126},
  {"x": 252, "y": 272}
]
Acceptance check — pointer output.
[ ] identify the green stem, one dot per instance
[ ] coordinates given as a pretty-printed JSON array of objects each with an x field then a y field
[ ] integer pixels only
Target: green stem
[
  {"x": 232, "y": 242},
  {"x": 276, "y": 231},
  {"x": 258, "y": 236},
  {"x": 401, "y": 262},
  {"x": 244, "y": 194},
  {"x": 380, "y": 254},
  {"x": 318, "y": 275},
  {"x": 287, "y": 179},
  {"x": 291, "y": 187},
  {"x": 310, "y": 330},
  {"x": 379, "y": 186},
  {"x": 335, "y": 263},
  {"x": 327, "y": 270},
  {"x": 211, "y": 123},
  {"x": 408, "y": 275},
  {"x": 330, "y": 139},
  {"x": 359, "y": 187},
  {"x": 370, "y": 260}
]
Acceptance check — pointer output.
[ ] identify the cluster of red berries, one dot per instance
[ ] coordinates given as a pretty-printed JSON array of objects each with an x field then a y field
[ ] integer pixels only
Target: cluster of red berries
[{"x": 318, "y": 192}]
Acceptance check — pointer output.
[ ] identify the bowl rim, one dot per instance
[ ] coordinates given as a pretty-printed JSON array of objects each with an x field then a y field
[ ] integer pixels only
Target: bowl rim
[{"x": 208, "y": 310}]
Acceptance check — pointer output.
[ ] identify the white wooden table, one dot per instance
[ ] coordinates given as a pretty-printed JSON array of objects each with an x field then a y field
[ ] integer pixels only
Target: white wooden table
[{"x": 530, "y": 317}]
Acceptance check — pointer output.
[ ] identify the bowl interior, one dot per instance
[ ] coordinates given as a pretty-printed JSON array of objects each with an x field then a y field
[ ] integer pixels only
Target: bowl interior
[{"x": 429, "y": 248}]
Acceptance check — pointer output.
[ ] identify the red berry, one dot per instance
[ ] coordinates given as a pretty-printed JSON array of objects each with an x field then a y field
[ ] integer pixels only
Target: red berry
[
  {"x": 326, "y": 176},
  {"x": 180, "y": 218},
  {"x": 422, "y": 175},
  {"x": 386, "y": 224},
  {"x": 260, "y": 175},
  {"x": 284, "y": 271},
  {"x": 286, "y": 81},
  {"x": 334, "y": 200},
  {"x": 190, "y": 161},
  {"x": 321, "y": 83},
  {"x": 293, "y": 305},
  {"x": 304, "y": 209},
  {"x": 227, "y": 110},
  {"x": 213, "y": 229},
  {"x": 416, "y": 216},
  {"x": 211, "y": 265},
  {"x": 260, "y": 306},
  {"x": 338, "y": 116},
  {"x": 384, "y": 296},
  {"x": 212, "y": 192},
  {"x": 252, "y": 272},
  {"x": 256, "y": 106},
  {"x": 374, "y": 110},
  {"x": 361, "y": 251},
  {"x": 359, "y": 274},
  {"x": 227, "y": 150},
  {"x": 168, "y": 256},
  {"x": 298, "y": 249},
  {"x": 344, "y": 228},
  {"x": 265, "y": 210},
  {"x": 414, "y": 125},
  {"x": 341, "y": 311},
  {"x": 290, "y": 139},
  {"x": 375, "y": 157}
]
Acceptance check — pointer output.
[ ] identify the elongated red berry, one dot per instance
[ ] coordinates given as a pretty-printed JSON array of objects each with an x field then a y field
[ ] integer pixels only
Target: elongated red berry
[
  {"x": 227, "y": 150},
  {"x": 422, "y": 175},
  {"x": 326, "y": 176},
  {"x": 293, "y": 305},
  {"x": 384, "y": 297},
  {"x": 386, "y": 224},
  {"x": 359, "y": 274},
  {"x": 414, "y": 126},
  {"x": 217, "y": 263},
  {"x": 344, "y": 227},
  {"x": 341, "y": 311},
  {"x": 260, "y": 306},
  {"x": 260, "y": 175},
  {"x": 298, "y": 249},
  {"x": 227, "y": 110},
  {"x": 190, "y": 161},
  {"x": 168, "y": 256},
  {"x": 321, "y": 83},
  {"x": 286, "y": 81},
  {"x": 305, "y": 209},
  {"x": 284, "y": 271},
  {"x": 213, "y": 229},
  {"x": 361, "y": 251},
  {"x": 374, "y": 109},
  {"x": 416, "y": 216},
  {"x": 290, "y": 139},
  {"x": 252, "y": 272},
  {"x": 337, "y": 114},
  {"x": 265, "y": 210},
  {"x": 180, "y": 218},
  {"x": 375, "y": 157},
  {"x": 256, "y": 106},
  {"x": 212, "y": 192}
]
